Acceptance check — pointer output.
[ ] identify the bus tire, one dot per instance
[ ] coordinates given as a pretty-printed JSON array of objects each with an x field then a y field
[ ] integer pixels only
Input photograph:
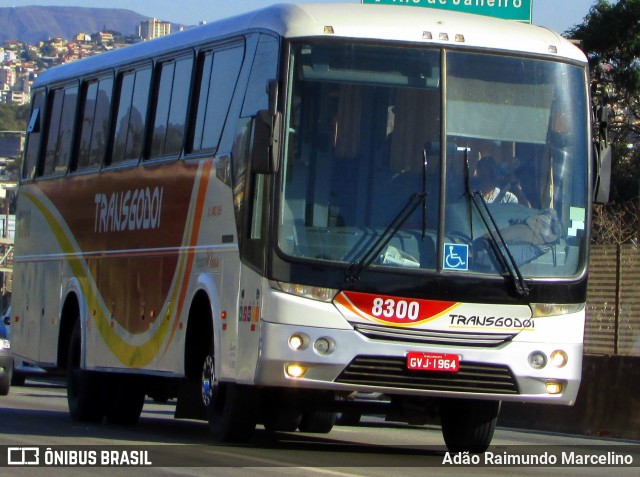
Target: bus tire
[
  {"x": 231, "y": 408},
  {"x": 125, "y": 401},
  {"x": 282, "y": 419},
  {"x": 349, "y": 418},
  {"x": 18, "y": 379},
  {"x": 317, "y": 422},
  {"x": 468, "y": 425},
  {"x": 5, "y": 380},
  {"x": 84, "y": 388}
]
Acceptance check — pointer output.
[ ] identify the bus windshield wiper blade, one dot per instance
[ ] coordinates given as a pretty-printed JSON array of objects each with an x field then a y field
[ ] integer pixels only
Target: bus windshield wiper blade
[
  {"x": 357, "y": 267},
  {"x": 498, "y": 243}
]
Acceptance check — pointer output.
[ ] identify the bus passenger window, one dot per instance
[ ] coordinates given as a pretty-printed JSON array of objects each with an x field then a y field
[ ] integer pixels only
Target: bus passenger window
[
  {"x": 264, "y": 68},
  {"x": 171, "y": 107},
  {"x": 131, "y": 116},
  {"x": 60, "y": 133},
  {"x": 95, "y": 123},
  {"x": 33, "y": 142},
  {"x": 219, "y": 75}
]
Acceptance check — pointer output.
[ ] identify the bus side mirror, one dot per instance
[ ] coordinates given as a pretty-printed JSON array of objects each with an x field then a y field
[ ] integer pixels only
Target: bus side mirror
[
  {"x": 603, "y": 175},
  {"x": 265, "y": 148},
  {"x": 602, "y": 150}
]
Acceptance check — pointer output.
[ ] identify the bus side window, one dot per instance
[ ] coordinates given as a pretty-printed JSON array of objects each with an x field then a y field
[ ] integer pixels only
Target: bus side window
[
  {"x": 128, "y": 139},
  {"x": 218, "y": 78},
  {"x": 96, "y": 100},
  {"x": 60, "y": 131},
  {"x": 257, "y": 187},
  {"x": 264, "y": 68},
  {"x": 35, "y": 133},
  {"x": 173, "y": 89}
]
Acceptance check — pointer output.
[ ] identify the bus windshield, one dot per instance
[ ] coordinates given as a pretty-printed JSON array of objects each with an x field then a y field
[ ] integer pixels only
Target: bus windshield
[{"x": 371, "y": 153}]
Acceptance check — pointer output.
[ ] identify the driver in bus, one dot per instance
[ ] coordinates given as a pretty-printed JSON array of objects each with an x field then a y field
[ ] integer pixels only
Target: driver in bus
[{"x": 486, "y": 172}]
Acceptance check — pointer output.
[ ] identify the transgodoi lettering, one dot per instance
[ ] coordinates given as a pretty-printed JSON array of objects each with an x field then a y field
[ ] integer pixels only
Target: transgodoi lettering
[{"x": 139, "y": 209}]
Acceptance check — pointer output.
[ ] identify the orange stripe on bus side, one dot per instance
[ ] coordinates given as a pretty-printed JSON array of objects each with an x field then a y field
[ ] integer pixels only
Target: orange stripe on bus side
[{"x": 197, "y": 220}]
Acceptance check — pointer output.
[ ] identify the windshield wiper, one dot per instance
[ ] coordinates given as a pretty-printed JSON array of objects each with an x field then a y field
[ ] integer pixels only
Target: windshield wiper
[
  {"x": 355, "y": 269},
  {"x": 498, "y": 243}
]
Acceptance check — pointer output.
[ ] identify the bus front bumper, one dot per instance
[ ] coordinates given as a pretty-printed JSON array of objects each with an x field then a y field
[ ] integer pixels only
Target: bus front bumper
[{"x": 345, "y": 360}]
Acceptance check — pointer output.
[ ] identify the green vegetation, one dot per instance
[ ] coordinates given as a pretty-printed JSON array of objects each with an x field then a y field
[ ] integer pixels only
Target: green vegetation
[
  {"x": 610, "y": 36},
  {"x": 14, "y": 118}
]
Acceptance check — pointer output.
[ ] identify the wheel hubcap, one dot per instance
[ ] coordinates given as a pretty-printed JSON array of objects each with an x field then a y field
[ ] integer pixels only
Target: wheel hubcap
[{"x": 208, "y": 381}]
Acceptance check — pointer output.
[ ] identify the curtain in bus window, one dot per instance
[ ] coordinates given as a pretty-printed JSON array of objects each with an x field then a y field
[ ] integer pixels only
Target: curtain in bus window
[
  {"x": 347, "y": 122},
  {"x": 415, "y": 127},
  {"x": 171, "y": 108},
  {"x": 219, "y": 76},
  {"x": 496, "y": 111}
]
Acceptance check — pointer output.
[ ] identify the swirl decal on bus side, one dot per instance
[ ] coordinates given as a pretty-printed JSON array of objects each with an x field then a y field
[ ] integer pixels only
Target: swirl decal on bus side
[
  {"x": 393, "y": 311},
  {"x": 131, "y": 350}
]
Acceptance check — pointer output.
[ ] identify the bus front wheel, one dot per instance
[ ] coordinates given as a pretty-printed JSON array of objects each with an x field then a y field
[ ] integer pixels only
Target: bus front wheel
[
  {"x": 318, "y": 422},
  {"x": 85, "y": 395},
  {"x": 468, "y": 425},
  {"x": 125, "y": 400},
  {"x": 231, "y": 408}
]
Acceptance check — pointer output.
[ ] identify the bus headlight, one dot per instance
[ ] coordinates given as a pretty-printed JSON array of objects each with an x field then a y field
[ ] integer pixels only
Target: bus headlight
[
  {"x": 559, "y": 358},
  {"x": 324, "y": 345},
  {"x": 537, "y": 360},
  {"x": 298, "y": 341},
  {"x": 295, "y": 370},
  {"x": 553, "y": 387},
  {"x": 540, "y": 310},
  {"x": 305, "y": 291},
  {"x": 5, "y": 344}
]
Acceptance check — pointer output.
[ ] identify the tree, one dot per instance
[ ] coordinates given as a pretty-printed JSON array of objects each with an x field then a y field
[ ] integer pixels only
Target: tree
[
  {"x": 13, "y": 118},
  {"x": 610, "y": 35}
]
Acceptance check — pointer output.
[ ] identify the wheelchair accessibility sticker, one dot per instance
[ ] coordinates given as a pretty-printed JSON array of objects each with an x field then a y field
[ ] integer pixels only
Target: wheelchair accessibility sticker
[{"x": 456, "y": 256}]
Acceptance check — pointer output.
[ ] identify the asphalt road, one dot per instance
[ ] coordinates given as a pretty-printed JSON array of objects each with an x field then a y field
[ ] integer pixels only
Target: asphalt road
[{"x": 34, "y": 419}]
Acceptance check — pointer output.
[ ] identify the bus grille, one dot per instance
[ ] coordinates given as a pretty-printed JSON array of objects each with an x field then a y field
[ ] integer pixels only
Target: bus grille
[
  {"x": 392, "y": 372},
  {"x": 453, "y": 338}
]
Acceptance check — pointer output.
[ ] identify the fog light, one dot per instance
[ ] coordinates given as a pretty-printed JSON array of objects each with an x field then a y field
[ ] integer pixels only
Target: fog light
[
  {"x": 537, "y": 360},
  {"x": 323, "y": 346},
  {"x": 296, "y": 342},
  {"x": 553, "y": 387},
  {"x": 559, "y": 358},
  {"x": 295, "y": 370}
]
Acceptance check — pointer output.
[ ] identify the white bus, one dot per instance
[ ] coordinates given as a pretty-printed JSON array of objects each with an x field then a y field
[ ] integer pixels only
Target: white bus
[{"x": 268, "y": 215}]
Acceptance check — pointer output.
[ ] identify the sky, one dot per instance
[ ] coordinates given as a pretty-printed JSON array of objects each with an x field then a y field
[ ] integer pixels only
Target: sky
[{"x": 559, "y": 15}]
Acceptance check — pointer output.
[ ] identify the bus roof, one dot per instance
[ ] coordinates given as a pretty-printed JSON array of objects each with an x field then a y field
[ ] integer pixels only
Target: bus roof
[{"x": 373, "y": 22}]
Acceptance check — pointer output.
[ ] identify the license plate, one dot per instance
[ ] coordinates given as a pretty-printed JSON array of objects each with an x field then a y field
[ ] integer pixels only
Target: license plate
[{"x": 446, "y": 363}]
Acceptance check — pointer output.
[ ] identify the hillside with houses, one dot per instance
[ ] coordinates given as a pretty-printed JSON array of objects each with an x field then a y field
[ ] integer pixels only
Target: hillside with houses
[{"x": 33, "y": 39}]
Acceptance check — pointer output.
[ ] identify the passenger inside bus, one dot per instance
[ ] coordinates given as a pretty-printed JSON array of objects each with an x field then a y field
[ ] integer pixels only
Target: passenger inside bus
[{"x": 486, "y": 175}]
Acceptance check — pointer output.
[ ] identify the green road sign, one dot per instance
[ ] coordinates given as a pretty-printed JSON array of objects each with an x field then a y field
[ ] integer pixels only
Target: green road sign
[{"x": 507, "y": 9}]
